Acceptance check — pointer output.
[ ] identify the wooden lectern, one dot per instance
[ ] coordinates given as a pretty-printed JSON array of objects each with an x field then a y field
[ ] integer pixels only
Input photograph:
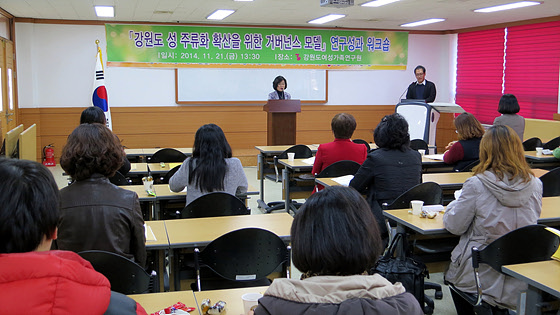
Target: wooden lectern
[{"x": 281, "y": 126}]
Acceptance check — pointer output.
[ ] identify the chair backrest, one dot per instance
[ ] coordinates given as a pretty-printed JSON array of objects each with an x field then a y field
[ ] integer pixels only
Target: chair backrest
[
  {"x": 532, "y": 144},
  {"x": 417, "y": 144},
  {"x": 244, "y": 255},
  {"x": 429, "y": 192},
  {"x": 119, "y": 179},
  {"x": 552, "y": 144},
  {"x": 362, "y": 141},
  {"x": 301, "y": 152},
  {"x": 214, "y": 204},
  {"x": 469, "y": 167},
  {"x": 165, "y": 179},
  {"x": 125, "y": 276},
  {"x": 168, "y": 156},
  {"x": 518, "y": 247},
  {"x": 551, "y": 183},
  {"x": 340, "y": 168}
]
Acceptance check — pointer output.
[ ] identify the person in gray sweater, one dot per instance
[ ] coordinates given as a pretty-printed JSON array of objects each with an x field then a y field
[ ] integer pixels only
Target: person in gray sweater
[
  {"x": 211, "y": 167},
  {"x": 509, "y": 107}
]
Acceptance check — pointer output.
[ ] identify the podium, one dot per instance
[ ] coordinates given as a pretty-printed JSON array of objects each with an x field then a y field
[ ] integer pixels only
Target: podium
[
  {"x": 281, "y": 121},
  {"x": 422, "y": 118}
]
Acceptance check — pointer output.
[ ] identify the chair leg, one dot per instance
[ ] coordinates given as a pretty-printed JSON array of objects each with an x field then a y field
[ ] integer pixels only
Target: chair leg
[{"x": 461, "y": 305}]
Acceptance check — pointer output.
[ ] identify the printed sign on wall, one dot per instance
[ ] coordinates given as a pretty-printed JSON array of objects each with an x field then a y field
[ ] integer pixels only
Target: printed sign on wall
[{"x": 245, "y": 47}]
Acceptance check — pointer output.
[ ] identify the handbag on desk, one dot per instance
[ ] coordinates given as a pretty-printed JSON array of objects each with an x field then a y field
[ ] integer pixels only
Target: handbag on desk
[{"x": 405, "y": 270}]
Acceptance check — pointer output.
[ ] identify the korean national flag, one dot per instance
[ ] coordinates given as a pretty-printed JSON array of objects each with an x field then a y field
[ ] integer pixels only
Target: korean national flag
[{"x": 99, "y": 97}]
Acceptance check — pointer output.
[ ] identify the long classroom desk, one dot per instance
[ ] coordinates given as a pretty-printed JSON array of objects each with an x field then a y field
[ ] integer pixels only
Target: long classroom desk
[
  {"x": 157, "y": 243},
  {"x": 290, "y": 169},
  {"x": 192, "y": 233},
  {"x": 543, "y": 161},
  {"x": 266, "y": 152},
  {"x": 550, "y": 215},
  {"x": 542, "y": 276}
]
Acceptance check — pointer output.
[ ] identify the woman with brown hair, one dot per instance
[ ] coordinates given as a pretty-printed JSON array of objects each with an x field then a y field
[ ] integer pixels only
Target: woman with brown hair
[
  {"x": 464, "y": 151},
  {"x": 95, "y": 214},
  {"x": 503, "y": 195}
]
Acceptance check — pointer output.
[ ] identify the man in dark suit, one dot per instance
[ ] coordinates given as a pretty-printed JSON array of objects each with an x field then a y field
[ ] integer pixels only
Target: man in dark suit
[{"x": 422, "y": 88}]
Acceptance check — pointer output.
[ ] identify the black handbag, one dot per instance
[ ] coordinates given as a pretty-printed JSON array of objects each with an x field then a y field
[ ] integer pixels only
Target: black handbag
[{"x": 405, "y": 270}]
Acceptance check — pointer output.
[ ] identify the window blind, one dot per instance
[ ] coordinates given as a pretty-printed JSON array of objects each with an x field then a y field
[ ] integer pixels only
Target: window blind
[
  {"x": 532, "y": 66},
  {"x": 480, "y": 59}
]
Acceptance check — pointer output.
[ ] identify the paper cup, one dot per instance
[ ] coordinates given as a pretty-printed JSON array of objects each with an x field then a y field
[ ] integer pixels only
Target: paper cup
[
  {"x": 291, "y": 156},
  {"x": 422, "y": 151},
  {"x": 148, "y": 183},
  {"x": 539, "y": 151},
  {"x": 416, "y": 206},
  {"x": 250, "y": 301}
]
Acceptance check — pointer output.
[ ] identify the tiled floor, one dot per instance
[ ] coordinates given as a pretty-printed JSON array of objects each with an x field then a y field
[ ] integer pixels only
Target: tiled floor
[{"x": 273, "y": 192}]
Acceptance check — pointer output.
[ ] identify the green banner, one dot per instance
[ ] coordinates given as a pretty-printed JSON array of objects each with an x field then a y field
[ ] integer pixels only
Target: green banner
[{"x": 176, "y": 46}]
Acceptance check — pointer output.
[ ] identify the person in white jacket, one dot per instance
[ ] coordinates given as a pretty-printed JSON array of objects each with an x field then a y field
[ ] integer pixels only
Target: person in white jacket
[{"x": 503, "y": 195}]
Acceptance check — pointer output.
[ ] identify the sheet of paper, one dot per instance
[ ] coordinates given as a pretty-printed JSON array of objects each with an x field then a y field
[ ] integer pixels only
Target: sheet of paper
[
  {"x": 438, "y": 157},
  {"x": 309, "y": 161},
  {"x": 344, "y": 180},
  {"x": 172, "y": 165},
  {"x": 150, "y": 237}
]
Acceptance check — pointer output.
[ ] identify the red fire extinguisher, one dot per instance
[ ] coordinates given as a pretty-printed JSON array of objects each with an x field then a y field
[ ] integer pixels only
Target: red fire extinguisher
[{"x": 48, "y": 155}]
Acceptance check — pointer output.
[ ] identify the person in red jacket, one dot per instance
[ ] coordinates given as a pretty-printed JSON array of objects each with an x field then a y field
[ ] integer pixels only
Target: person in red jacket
[
  {"x": 342, "y": 148},
  {"x": 33, "y": 279}
]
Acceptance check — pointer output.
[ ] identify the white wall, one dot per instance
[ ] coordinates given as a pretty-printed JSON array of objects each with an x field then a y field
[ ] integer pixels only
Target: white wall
[{"x": 56, "y": 68}]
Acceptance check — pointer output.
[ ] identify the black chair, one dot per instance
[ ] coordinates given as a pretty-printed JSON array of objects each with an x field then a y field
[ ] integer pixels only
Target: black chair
[
  {"x": 241, "y": 258},
  {"x": 551, "y": 183},
  {"x": 515, "y": 247},
  {"x": 125, "y": 276},
  {"x": 214, "y": 204},
  {"x": 418, "y": 144},
  {"x": 364, "y": 142},
  {"x": 168, "y": 156},
  {"x": 429, "y": 192},
  {"x": 468, "y": 167},
  {"x": 532, "y": 144},
  {"x": 552, "y": 144},
  {"x": 165, "y": 179},
  {"x": 119, "y": 179},
  {"x": 301, "y": 152},
  {"x": 340, "y": 168}
]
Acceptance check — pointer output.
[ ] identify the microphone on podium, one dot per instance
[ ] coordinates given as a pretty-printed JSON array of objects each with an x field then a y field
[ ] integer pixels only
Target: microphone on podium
[{"x": 405, "y": 90}]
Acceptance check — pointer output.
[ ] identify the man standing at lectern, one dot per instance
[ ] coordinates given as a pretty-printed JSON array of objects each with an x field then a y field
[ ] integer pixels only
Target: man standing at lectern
[{"x": 422, "y": 88}]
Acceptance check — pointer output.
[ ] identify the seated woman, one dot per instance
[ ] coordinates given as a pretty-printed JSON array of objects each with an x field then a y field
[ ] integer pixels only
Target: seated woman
[
  {"x": 390, "y": 170},
  {"x": 335, "y": 241},
  {"x": 465, "y": 151},
  {"x": 211, "y": 167},
  {"x": 501, "y": 197},
  {"x": 32, "y": 276},
  {"x": 342, "y": 148},
  {"x": 94, "y": 114},
  {"x": 96, "y": 214},
  {"x": 279, "y": 85},
  {"x": 509, "y": 107}
]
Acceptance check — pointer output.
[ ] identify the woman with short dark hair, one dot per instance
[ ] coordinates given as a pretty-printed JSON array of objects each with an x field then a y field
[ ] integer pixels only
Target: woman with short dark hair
[
  {"x": 335, "y": 241},
  {"x": 464, "y": 151},
  {"x": 96, "y": 214},
  {"x": 211, "y": 167},
  {"x": 342, "y": 148},
  {"x": 509, "y": 107},
  {"x": 390, "y": 170},
  {"x": 280, "y": 84}
]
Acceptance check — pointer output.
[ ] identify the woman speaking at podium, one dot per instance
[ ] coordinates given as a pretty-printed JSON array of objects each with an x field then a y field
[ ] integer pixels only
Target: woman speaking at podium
[{"x": 280, "y": 85}]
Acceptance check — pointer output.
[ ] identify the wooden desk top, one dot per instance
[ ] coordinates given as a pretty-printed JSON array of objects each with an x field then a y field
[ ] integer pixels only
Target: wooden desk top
[
  {"x": 295, "y": 164},
  {"x": 550, "y": 213},
  {"x": 155, "y": 168},
  {"x": 447, "y": 179},
  {"x": 134, "y": 152},
  {"x": 186, "y": 233},
  {"x": 543, "y": 275},
  {"x": 138, "y": 168},
  {"x": 232, "y": 297},
  {"x": 326, "y": 181},
  {"x": 153, "y": 302},
  {"x": 160, "y": 232},
  {"x": 163, "y": 192},
  {"x": 277, "y": 149},
  {"x": 140, "y": 191},
  {"x": 151, "y": 151}
]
